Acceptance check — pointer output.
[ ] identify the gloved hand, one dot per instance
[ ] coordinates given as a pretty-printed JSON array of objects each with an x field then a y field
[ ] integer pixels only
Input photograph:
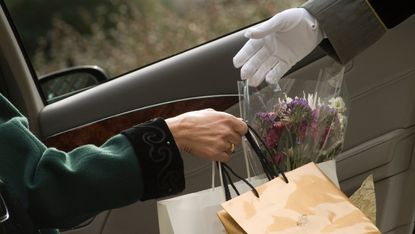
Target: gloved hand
[{"x": 276, "y": 45}]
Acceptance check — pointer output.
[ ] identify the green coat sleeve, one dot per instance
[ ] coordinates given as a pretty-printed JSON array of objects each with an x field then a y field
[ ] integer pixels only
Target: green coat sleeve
[
  {"x": 59, "y": 189},
  {"x": 353, "y": 25}
]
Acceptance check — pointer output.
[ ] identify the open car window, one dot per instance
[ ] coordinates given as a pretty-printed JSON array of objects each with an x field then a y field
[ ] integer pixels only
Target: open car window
[{"x": 119, "y": 36}]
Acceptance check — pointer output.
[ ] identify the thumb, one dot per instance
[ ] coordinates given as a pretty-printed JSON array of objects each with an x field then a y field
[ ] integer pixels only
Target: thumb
[{"x": 264, "y": 29}]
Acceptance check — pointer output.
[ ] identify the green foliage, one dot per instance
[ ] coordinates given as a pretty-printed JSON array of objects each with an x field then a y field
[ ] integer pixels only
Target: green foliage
[{"x": 34, "y": 18}]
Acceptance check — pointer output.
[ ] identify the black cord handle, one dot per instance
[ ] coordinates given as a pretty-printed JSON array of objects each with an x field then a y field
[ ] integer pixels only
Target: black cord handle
[
  {"x": 227, "y": 180},
  {"x": 268, "y": 169},
  {"x": 270, "y": 172}
]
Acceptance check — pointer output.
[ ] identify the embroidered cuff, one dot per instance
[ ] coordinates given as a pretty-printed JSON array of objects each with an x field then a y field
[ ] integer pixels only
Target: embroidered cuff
[{"x": 159, "y": 158}]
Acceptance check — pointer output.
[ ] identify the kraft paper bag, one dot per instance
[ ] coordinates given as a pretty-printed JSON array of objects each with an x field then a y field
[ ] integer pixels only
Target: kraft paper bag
[
  {"x": 309, "y": 203},
  {"x": 229, "y": 223},
  {"x": 231, "y": 227}
]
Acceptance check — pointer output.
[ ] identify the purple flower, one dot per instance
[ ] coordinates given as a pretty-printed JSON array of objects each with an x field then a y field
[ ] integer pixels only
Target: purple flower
[
  {"x": 267, "y": 117},
  {"x": 271, "y": 138},
  {"x": 298, "y": 104},
  {"x": 278, "y": 157},
  {"x": 295, "y": 128},
  {"x": 302, "y": 131},
  {"x": 326, "y": 111},
  {"x": 314, "y": 126},
  {"x": 273, "y": 135}
]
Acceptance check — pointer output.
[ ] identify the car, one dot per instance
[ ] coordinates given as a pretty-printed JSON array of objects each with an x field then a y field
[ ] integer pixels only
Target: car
[{"x": 379, "y": 140}]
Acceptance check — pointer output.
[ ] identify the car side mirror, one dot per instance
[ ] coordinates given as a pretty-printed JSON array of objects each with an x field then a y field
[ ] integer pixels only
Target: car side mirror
[{"x": 61, "y": 84}]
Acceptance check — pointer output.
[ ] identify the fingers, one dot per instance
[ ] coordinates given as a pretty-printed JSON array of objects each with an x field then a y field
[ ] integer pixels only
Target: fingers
[
  {"x": 277, "y": 72},
  {"x": 239, "y": 127},
  {"x": 207, "y": 133},
  {"x": 226, "y": 154},
  {"x": 220, "y": 151},
  {"x": 232, "y": 148},
  {"x": 225, "y": 119},
  {"x": 248, "y": 50},
  {"x": 256, "y": 57},
  {"x": 262, "y": 63},
  {"x": 232, "y": 139},
  {"x": 259, "y": 75},
  {"x": 253, "y": 64},
  {"x": 222, "y": 157}
]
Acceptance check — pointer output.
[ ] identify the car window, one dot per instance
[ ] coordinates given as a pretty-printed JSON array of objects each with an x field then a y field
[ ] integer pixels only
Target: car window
[{"x": 119, "y": 36}]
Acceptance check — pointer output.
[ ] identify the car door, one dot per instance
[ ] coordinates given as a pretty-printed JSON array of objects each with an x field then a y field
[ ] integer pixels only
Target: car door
[
  {"x": 380, "y": 134},
  {"x": 195, "y": 79}
]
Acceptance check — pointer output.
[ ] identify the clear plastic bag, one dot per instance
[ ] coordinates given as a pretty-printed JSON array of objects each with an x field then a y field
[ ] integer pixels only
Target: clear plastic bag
[{"x": 300, "y": 120}]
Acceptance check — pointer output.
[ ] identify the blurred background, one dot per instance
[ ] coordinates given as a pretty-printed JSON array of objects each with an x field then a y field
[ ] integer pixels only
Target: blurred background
[{"x": 123, "y": 35}]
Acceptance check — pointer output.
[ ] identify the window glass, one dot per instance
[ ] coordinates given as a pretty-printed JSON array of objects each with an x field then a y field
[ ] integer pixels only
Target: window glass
[{"x": 123, "y": 35}]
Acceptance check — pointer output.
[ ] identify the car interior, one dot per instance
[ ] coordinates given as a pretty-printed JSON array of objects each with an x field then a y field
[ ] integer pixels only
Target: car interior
[{"x": 379, "y": 139}]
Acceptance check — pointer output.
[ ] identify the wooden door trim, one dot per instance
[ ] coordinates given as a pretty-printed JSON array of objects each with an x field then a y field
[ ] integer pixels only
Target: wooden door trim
[{"x": 97, "y": 133}]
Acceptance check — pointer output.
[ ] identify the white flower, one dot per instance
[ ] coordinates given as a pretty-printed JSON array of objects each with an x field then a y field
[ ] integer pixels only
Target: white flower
[
  {"x": 285, "y": 100},
  {"x": 342, "y": 122},
  {"x": 338, "y": 104},
  {"x": 313, "y": 100},
  {"x": 288, "y": 99}
]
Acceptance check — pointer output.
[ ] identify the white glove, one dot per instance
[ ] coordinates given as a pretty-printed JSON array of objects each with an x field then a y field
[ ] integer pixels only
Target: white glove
[{"x": 276, "y": 45}]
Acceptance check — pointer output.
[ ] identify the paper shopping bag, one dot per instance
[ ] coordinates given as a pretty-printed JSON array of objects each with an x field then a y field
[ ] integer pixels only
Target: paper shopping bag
[
  {"x": 231, "y": 227},
  {"x": 309, "y": 203},
  {"x": 190, "y": 213},
  {"x": 196, "y": 212},
  {"x": 229, "y": 223}
]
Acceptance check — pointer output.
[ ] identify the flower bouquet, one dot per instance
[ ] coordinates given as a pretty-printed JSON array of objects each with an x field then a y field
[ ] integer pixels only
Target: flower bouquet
[
  {"x": 304, "y": 129},
  {"x": 300, "y": 120},
  {"x": 300, "y": 125}
]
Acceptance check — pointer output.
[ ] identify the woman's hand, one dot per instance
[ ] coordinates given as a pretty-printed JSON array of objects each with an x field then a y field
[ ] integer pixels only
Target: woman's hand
[{"x": 207, "y": 133}]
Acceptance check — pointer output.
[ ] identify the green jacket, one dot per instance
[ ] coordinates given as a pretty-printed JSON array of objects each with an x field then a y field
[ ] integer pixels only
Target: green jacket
[{"x": 61, "y": 189}]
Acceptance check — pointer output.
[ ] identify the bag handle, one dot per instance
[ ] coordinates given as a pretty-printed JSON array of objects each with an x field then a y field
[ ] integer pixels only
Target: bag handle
[
  {"x": 227, "y": 180},
  {"x": 270, "y": 171}
]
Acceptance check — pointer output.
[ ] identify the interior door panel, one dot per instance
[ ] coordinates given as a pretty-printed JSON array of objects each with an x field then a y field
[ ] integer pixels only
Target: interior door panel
[
  {"x": 380, "y": 135},
  {"x": 381, "y": 85},
  {"x": 204, "y": 71}
]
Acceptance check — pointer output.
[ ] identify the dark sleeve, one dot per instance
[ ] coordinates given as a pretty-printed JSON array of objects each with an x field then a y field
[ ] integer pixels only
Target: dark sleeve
[
  {"x": 392, "y": 13},
  {"x": 351, "y": 26},
  {"x": 159, "y": 157},
  {"x": 60, "y": 189}
]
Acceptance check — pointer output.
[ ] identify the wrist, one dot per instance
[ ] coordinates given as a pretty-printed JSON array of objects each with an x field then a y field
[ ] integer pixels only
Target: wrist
[
  {"x": 315, "y": 24},
  {"x": 176, "y": 129}
]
